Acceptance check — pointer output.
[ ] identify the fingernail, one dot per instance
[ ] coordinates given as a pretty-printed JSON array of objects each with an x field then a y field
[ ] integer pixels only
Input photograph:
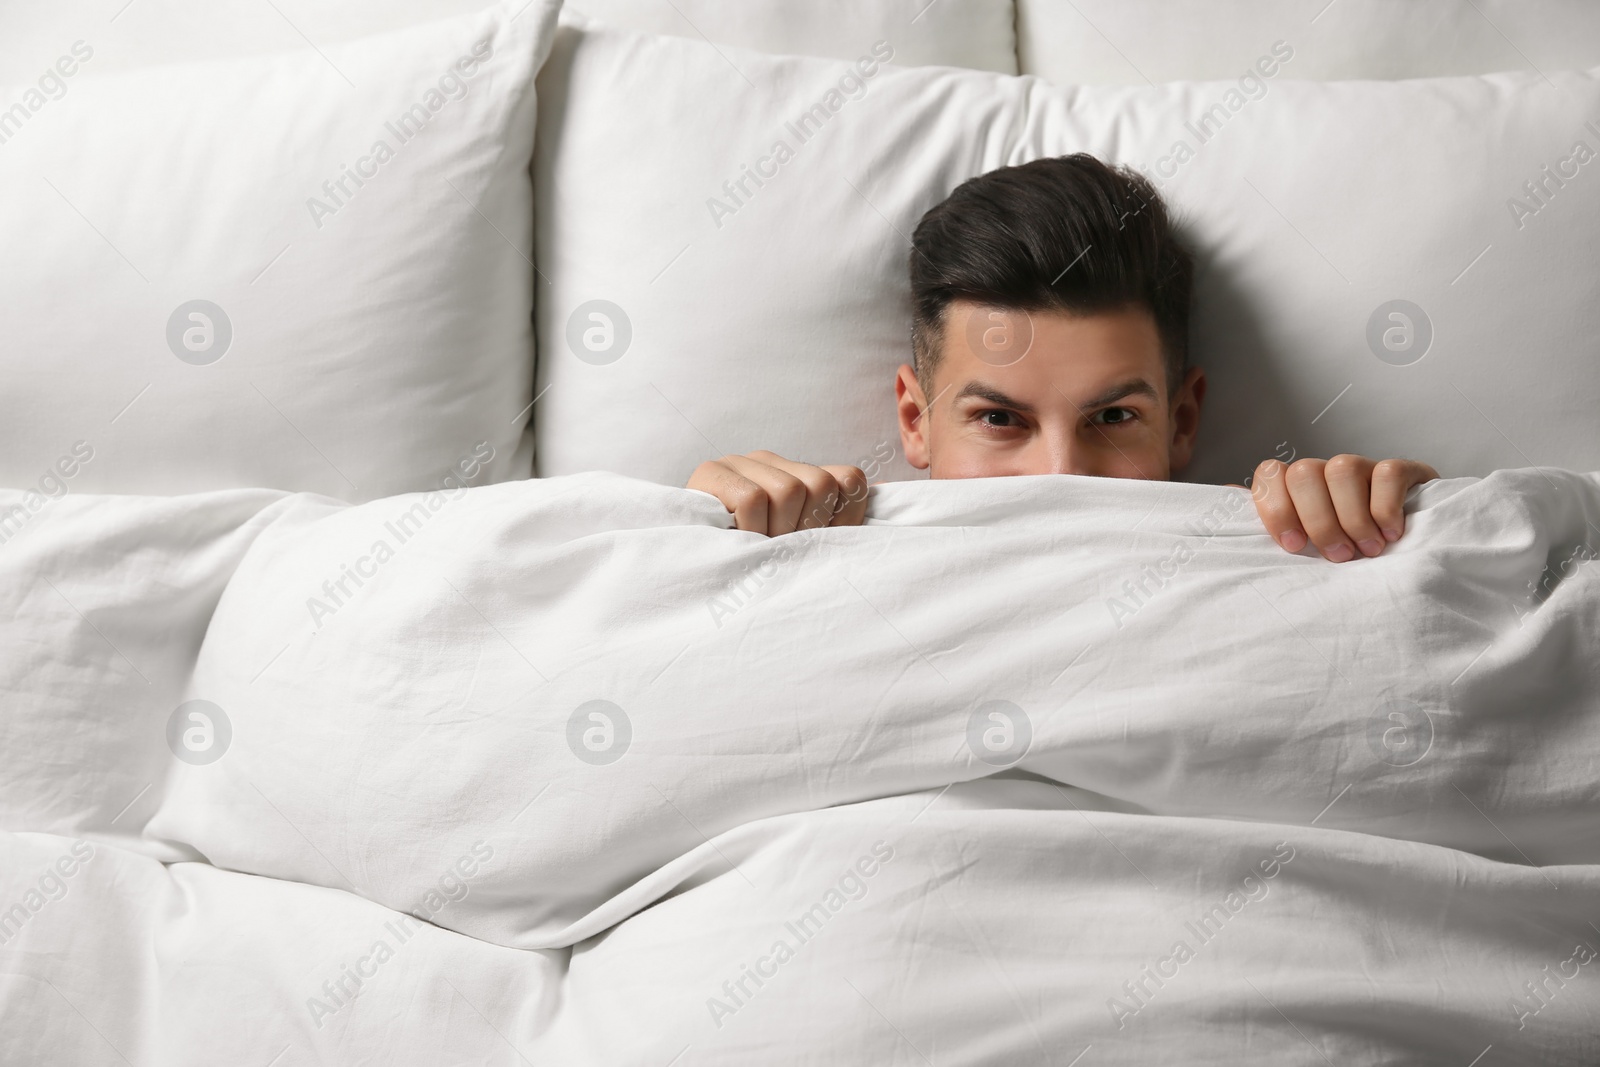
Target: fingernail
[
  {"x": 1371, "y": 547},
  {"x": 1391, "y": 535},
  {"x": 1293, "y": 540},
  {"x": 1340, "y": 553}
]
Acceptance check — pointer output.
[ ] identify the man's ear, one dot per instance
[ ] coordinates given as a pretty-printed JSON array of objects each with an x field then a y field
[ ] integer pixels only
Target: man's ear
[
  {"x": 1186, "y": 405},
  {"x": 910, "y": 407}
]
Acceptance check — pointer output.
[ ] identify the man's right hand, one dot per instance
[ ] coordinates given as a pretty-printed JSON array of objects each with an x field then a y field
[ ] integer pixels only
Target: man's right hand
[{"x": 772, "y": 495}]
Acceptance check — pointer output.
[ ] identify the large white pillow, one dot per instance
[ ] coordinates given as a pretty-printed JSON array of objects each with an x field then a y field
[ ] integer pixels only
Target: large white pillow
[
  {"x": 980, "y": 34},
  {"x": 144, "y": 33},
  {"x": 307, "y": 271},
  {"x": 958, "y": 33},
  {"x": 779, "y": 323},
  {"x": 1137, "y": 42}
]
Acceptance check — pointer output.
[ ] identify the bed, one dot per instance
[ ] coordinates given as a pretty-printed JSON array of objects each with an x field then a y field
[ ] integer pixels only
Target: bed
[{"x": 376, "y": 693}]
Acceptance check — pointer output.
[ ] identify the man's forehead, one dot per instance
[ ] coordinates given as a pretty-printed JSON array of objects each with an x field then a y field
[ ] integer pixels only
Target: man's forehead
[
  {"x": 1021, "y": 359},
  {"x": 999, "y": 336}
]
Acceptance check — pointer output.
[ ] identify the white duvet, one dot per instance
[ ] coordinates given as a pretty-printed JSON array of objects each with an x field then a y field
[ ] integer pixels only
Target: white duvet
[{"x": 1044, "y": 769}]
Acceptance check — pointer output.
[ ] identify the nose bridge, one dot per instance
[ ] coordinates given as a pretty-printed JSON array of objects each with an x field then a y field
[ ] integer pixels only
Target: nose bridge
[{"x": 1063, "y": 451}]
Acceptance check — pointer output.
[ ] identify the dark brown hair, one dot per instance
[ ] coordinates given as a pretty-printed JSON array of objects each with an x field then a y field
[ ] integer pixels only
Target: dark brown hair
[{"x": 1068, "y": 233}]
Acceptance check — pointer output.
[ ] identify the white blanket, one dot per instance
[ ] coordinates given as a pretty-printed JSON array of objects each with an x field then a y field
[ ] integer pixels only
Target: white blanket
[{"x": 627, "y": 751}]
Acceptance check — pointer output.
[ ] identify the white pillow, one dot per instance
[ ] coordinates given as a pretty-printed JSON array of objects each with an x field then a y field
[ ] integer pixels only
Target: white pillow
[
  {"x": 957, "y": 33},
  {"x": 141, "y": 34},
  {"x": 778, "y": 322},
  {"x": 1136, "y": 42},
  {"x": 307, "y": 271}
]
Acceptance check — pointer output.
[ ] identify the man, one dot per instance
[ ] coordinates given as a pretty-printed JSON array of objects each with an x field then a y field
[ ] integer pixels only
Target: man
[{"x": 1050, "y": 336}]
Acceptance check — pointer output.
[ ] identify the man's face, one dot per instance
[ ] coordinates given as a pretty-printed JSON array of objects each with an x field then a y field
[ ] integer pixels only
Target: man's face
[{"x": 1049, "y": 392}]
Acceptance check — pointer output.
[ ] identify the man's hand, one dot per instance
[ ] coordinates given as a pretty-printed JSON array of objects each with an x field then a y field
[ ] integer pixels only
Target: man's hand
[
  {"x": 772, "y": 495},
  {"x": 1346, "y": 506}
]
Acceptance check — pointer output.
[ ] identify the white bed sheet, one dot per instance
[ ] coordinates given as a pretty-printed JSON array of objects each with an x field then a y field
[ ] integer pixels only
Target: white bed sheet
[
  {"x": 425, "y": 745},
  {"x": 996, "y": 925}
]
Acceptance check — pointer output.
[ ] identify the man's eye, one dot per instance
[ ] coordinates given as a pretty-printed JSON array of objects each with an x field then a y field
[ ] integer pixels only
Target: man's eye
[
  {"x": 1115, "y": 416},
  {"x": 1007, "y": 419}
]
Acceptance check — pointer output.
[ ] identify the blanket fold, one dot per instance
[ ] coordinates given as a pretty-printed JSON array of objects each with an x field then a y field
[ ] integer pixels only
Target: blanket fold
[{"x": 596, "y": 676}]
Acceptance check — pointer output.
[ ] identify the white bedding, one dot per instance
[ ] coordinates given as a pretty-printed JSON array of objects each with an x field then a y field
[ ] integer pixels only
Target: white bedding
[
  {"x": 251, "y": 272},
  {"x": 732, "y": 313},
  {"x": 1421, "y": 783},
  {"x": 1135, "y": 42},
  {"x": 1002, "y": 929}
]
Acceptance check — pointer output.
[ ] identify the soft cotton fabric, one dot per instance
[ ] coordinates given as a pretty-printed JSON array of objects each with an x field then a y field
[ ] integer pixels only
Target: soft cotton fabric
[
  {"x": 309, "y": 270},
  {"x": 1382, "y": 773}
]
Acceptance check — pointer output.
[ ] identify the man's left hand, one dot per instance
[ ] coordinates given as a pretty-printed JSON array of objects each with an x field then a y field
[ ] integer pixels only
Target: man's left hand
[{"x": 1347, "y": 506}]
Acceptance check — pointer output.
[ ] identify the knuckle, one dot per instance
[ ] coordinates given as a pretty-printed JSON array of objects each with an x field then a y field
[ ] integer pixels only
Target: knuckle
[
  {"x": 852, "y": 482},
  {"x": 1269, "y": 468},
  {"x": 789, "y": 490},
  {"x": 818, "y": 482},
  {"x": 744, "y": 494},
  {"x": 1345, "y": 464},
  {"x": 1390, "y": 468},
  {"x": 1304, "y": 472},
  {"x": 1268, "y": 474}
]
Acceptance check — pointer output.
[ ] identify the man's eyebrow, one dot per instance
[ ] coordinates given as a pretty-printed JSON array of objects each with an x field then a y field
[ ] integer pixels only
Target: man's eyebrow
[
  {"x": 1121, "y": 391},
  {"x": 994, "y": 396}
]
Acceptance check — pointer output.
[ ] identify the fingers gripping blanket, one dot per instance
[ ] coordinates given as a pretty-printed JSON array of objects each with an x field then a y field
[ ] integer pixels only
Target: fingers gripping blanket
[
  {"x": 533, "y": 711},
  {"x": 595, "y": 675}
]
